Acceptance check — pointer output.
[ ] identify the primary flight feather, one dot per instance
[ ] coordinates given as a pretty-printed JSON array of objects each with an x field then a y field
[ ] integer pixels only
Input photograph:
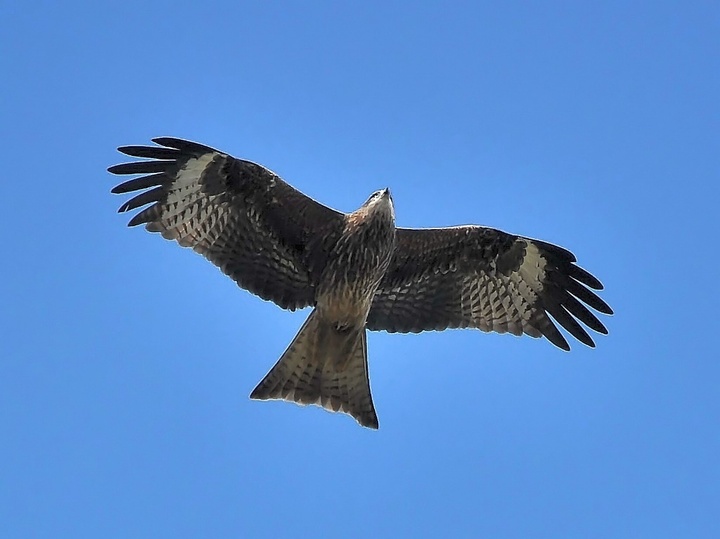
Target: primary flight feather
[{"x": 358, "y": 270}]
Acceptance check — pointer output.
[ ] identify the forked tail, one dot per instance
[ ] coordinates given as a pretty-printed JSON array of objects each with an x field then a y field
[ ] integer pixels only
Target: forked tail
[{"x": 310, "y": 372}]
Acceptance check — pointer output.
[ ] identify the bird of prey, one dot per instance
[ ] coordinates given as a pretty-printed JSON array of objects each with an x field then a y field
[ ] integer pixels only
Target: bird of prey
[{"x": 357, "y": 270}]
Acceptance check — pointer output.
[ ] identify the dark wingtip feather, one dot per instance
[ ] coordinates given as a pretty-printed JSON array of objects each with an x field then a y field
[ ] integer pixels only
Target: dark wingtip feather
[
  {"x": 582, "y": 313},
  {"x": 580, "y": 291},
  {"x": 146, "y": 216},
  {"x": 566, "y": 320},
  {"x": 136, "y": 184},
  {"x": 154, "y": 195},
  {"x": 563, "y": 345},
  {"x": 115, "y": 169},
  {"x": 556, "y": 250},
  {"x": 580, "y": 334},
  {"x": 589, "y": 320},
  {"x": 184, "y": 145},
  {"x": 552, "y": 334},
  {"x": 151, "y": 152},
  {"x": 598, "y": 304},
  {"x": 139, "y": 167},
  {"x": 584, "y": 277}
]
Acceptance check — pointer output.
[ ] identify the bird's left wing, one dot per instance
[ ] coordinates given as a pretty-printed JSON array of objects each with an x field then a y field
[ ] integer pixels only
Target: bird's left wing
[
  {"x": 479, "y": 277},
  {"x": 242, "y": 217}
]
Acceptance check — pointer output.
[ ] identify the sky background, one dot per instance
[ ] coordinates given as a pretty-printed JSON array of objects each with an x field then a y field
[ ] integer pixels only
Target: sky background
[{"x": 126, "y": 362}]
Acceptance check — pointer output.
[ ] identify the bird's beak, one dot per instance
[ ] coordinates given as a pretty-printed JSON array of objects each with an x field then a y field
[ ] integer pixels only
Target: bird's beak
[{"x": 386, "y": 193}]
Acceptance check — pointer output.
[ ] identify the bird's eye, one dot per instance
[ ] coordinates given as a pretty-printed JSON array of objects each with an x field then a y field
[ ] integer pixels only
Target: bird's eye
[{"x": 374, "y": 196}]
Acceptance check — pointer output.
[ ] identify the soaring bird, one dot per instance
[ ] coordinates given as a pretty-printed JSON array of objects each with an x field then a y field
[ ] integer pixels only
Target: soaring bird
[{"x": 357, "y": 270}]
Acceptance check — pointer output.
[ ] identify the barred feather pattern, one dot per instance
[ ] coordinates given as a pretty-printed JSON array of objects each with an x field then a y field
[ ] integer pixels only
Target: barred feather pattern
[
  {"x": 487, "y": 279},
  {"x": 242, "y": 217},
  {"x": 308, "y": 373}
]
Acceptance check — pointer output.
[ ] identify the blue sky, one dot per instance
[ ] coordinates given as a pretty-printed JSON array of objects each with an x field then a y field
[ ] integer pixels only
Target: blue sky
[{"x": 126, "y": 361}]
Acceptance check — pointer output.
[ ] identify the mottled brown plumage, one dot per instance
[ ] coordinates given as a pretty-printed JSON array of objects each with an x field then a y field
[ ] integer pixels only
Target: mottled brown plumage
[{"x": 358, "y": 271}]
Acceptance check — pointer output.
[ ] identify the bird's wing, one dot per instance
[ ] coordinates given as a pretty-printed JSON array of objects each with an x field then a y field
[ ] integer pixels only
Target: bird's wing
[
  {"x": 472, "y": 276},
  {"x": 239, "y": 215}
]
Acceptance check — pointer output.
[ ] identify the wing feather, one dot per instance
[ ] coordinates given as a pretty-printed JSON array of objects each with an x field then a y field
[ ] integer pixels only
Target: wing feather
[
  {"x": 582, "y": 313},
  {"x": 242, "y": 217},
  {"x": 139, "y": 167},
  {"x": 576, "y": 272},
  {"x": 151, "y": 152},
  {"x": 566, "y": 320},
  {"x": 484, "y": 278},
  {"x": 582, "y": 293},
  {"x": 144, "y": 198},
  {"x": 185, "y": 146},
  {"x": 143, "y": 182}
]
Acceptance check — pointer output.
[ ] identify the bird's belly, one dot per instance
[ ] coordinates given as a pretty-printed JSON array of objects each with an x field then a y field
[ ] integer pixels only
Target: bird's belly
[{"x": 345, "y": 305}]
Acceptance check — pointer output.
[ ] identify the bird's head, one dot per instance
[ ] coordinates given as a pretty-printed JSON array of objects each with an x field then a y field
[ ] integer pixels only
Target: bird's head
[
  {"x": 376, "y": 209},
  {"x": 381, "y": 203}
]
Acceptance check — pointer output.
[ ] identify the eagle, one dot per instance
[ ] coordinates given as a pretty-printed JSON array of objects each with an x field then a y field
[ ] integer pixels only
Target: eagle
[{"x": 358, "y": 271}]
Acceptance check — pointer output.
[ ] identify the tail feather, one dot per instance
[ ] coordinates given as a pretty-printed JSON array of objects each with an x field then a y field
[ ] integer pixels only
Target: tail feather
[{"x": 309, "y": 372}]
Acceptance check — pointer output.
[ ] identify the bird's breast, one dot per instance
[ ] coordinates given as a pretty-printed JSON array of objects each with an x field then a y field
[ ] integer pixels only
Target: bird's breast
[{"x": 355, "y": 267}]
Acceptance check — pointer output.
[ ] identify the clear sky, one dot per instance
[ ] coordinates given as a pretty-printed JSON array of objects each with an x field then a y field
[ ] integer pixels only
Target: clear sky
[{"x": 126, "y": 361}]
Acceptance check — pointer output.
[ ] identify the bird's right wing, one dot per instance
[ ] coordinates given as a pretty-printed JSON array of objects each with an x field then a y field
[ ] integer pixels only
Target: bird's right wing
[
  {"x": 242, "y": 217},
  {"x": 479, "y": 277}
]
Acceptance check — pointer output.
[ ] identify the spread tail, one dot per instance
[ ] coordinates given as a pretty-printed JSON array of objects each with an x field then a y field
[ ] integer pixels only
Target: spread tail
[{"x": 311, "y": 372}]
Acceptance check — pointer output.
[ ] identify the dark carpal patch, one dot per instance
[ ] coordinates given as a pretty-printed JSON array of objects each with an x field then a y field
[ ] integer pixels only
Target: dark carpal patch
[{"x": 511, "y": 260}]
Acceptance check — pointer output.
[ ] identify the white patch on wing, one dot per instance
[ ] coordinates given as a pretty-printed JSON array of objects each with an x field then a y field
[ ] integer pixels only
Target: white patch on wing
[
  {"x": 532, "y": 269},
  {"x": 188, "y": 178},
  {"x": 185, "y": 198}
]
